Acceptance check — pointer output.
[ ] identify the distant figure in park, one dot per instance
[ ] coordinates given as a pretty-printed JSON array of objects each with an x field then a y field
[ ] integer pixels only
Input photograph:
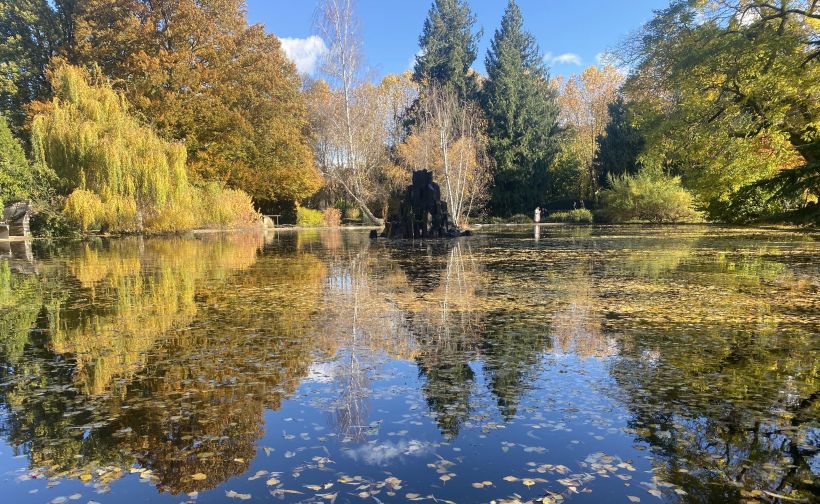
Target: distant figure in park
[
  {"x": 574, "y": 205},
  {"x": 537, "y": 215}
]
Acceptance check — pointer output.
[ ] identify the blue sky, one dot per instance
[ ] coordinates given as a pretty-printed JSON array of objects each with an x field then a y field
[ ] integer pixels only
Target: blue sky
[{"x": 570, "y": 33}]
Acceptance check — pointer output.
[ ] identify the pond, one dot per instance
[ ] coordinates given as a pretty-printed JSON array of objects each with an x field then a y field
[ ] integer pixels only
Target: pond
[{"x": 563, "y": 364}]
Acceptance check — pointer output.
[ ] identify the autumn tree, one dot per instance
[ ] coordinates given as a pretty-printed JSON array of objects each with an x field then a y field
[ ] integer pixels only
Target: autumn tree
[
  {"x": 728, "y": 95},
  {"x": 447, "y": 48},
  {"x": 585, "y": 100},
  {"x": 356, "y": 125},
  {"x": 522, "y": 114},
  {"x": 116, "y": 171},
  {"x": 449, "y": 139},
  {"x": 198, "y": 73}
]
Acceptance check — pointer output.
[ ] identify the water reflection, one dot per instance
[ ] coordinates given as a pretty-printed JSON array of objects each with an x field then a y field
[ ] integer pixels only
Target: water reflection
[{"x": 163, "y": 356}]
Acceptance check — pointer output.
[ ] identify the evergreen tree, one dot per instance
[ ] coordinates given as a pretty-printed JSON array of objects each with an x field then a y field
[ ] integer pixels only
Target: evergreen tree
[
  {"x": 619, "y": 146},
  {"x": 522, "y": 116},
  {"x": 448, "y": 48}
]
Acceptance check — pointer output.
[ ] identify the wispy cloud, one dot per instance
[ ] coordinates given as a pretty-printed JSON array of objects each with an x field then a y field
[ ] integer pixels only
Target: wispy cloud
[
  {"x": 384, "y": 453},
  {"x": 304, "y": 52},
  {"x": 563, "y": 59}
]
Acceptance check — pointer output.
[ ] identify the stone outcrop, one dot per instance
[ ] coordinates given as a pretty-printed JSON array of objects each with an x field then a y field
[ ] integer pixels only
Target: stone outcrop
[
  {"x": 17, "y": 215},
  {"x": 422, "y": 213}
]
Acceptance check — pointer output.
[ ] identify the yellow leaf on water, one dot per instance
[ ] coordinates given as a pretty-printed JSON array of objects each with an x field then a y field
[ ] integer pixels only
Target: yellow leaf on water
[
  {"x": 272, "y": 481},
  {"x": 633, "y": 498},
  {"x": 85, "y": 478},
  {"x": 315, "y": 488},
  {"x": 527, "y": 482},
  {"x": 199, "y": 477},
  {"x": 510, "y": 478}
]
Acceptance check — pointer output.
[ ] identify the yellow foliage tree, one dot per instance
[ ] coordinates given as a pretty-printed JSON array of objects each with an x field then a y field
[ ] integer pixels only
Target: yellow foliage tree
[{"x": 120, "y": 174}]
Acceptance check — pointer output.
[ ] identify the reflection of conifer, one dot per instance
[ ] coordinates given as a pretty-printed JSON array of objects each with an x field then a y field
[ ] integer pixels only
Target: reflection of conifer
[
  {"x": 446, "y": 325},
  {"x": 510, "y": 357},
  {"x": 447, "y": 388}
]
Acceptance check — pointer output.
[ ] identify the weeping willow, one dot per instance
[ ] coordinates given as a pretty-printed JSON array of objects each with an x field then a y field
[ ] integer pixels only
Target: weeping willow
[{"x": 120, "y": 174}]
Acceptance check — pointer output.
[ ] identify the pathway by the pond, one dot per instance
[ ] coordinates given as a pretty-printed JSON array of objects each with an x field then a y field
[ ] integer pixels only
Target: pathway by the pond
[{"x": 571, "y": 364}]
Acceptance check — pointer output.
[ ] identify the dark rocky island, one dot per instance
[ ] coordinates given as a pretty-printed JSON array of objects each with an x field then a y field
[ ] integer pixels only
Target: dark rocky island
[{"x": 422, "y": 213}]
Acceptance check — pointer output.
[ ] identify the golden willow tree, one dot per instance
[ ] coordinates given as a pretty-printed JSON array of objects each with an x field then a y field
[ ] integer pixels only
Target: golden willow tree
[{"x": 120, "y": 174}]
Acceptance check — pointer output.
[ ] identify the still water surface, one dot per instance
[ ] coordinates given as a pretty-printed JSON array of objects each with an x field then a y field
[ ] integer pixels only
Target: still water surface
[{"x": 591, "y": 364}]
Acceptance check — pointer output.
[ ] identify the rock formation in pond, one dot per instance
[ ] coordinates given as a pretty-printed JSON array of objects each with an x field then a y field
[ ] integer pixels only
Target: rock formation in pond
[{"x": 422, "y": 213}]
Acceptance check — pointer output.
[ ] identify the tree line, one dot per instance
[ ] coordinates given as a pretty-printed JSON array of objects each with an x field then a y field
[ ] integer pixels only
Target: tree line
[{"x": 134, "y": 115}]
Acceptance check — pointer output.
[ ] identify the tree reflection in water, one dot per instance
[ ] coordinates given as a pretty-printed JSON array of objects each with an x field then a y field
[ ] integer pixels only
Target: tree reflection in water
[{"x": 166, "y": 353}]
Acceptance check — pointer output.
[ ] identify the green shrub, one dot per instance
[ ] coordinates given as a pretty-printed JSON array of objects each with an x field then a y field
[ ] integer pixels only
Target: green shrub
[
  {"x": 648, "y": 196},
  {"x": 306, "y": 217},
  {"x": 332, "y": 217},
  {"x": 577, "y": 215}
]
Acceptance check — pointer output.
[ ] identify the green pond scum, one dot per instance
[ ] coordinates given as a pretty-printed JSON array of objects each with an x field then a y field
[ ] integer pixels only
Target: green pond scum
[{"x": 563, "y": 364}]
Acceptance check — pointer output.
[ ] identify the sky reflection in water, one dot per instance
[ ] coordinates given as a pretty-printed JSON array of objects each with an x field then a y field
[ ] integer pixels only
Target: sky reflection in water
[{"x": 589, "y": 364}]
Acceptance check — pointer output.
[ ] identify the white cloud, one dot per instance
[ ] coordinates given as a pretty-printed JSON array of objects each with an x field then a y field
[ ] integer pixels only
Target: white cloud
[
  {"x": 304, "y": 52},
  {"x": 384, "y": 453},
  {"x": 563, "y": 59}
]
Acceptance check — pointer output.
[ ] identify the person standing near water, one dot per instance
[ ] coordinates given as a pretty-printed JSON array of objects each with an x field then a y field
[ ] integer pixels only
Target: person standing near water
[{"x": 537, "y": 215}]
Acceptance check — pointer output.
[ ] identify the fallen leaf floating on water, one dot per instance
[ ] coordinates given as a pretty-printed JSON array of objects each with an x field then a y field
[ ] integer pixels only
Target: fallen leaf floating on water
[
  {"x": 633, "y": 498},
  {"x": 234, "y": 495},
  {"x": 272, "y": 482},
  {"x": 199, "y": 477},
  {"x": 258, "y": 475}
]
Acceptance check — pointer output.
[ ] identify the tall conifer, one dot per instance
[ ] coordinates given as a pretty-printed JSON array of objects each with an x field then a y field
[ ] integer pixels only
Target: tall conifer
[
  {"x": 448, "y": 46},
  {"x": 522, "y": 114}
]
